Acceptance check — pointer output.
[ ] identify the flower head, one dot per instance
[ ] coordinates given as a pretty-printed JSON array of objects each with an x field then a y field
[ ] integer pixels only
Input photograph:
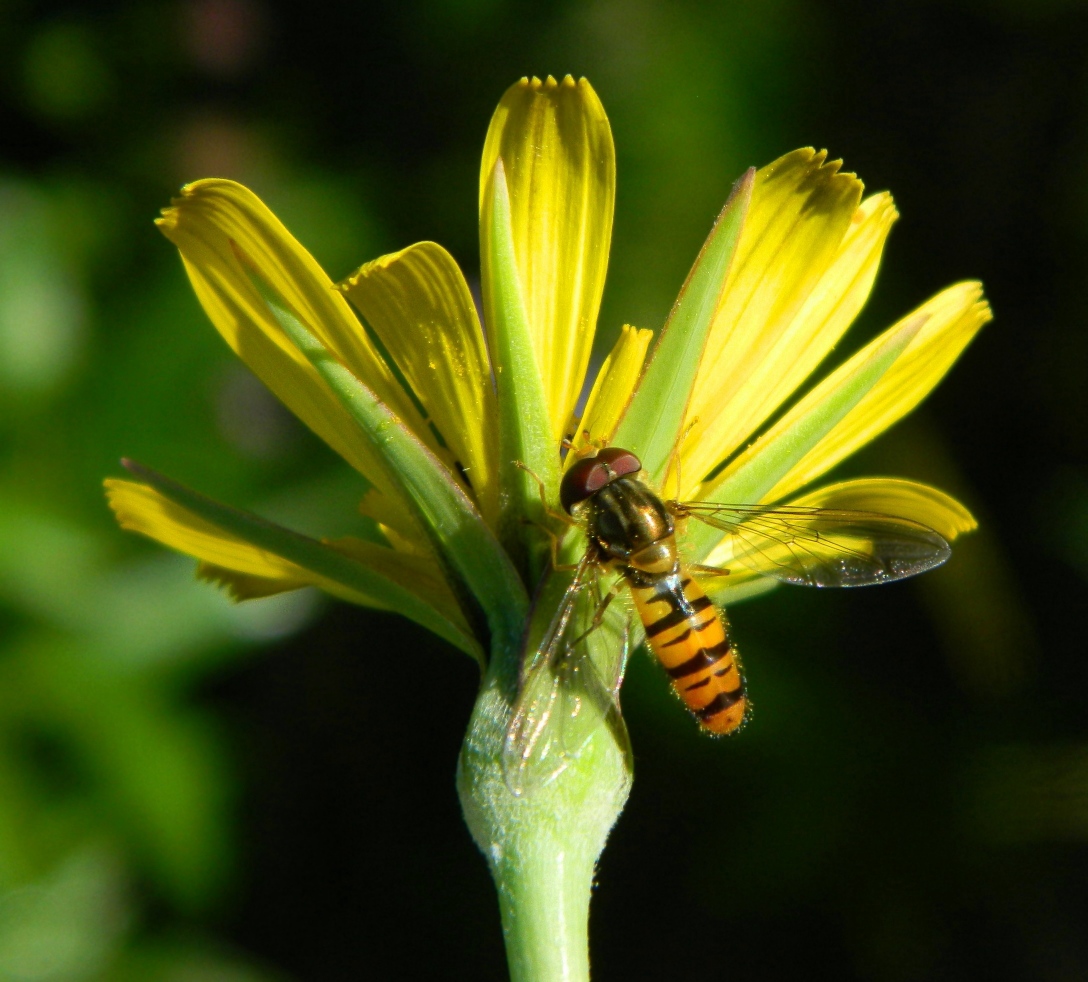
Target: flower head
[
  {"x": 785, "y": 271},
  {"x": 462, "y": 431}
]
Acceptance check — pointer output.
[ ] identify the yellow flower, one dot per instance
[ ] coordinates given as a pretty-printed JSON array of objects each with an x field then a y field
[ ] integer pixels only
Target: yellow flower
[
  {"x": 785, "y": 271},
  {"x": 459, "y": 430}
]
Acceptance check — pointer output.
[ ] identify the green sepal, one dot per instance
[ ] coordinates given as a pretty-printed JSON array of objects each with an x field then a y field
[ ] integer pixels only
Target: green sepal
[
  {"x": 475, "y": 564},
  {"x": 773, "y": 455},
  {"x": 651, "y": 423},
  {"x": 311, "y": 554},
  {"x": 524, "y": 427}
]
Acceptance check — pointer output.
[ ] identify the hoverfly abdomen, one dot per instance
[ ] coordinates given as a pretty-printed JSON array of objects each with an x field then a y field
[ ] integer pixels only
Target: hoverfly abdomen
[{"x": 688, "y": 635}]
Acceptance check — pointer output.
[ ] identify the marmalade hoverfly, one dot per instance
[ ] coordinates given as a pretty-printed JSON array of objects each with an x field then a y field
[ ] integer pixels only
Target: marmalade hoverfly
[{"x": 563, "y": 696}]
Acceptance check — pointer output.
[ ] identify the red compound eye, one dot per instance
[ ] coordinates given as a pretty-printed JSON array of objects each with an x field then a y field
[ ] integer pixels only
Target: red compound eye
[
  {"x": 593, "y": 473},
  {"x": 622, "y": 462}
]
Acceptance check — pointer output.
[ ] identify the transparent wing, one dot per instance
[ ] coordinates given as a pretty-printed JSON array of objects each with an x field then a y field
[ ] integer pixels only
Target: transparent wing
[
  {"x": 570, "y": 685},
  {"x": 823, "y": 547}
]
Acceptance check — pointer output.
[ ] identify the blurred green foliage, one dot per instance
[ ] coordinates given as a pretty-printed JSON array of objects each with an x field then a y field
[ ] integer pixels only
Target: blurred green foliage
[{"x": 189, "y": 789}]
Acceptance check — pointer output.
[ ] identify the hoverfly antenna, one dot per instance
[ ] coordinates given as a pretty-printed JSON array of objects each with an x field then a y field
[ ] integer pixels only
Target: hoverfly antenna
[{"x": 590, "y": 474}]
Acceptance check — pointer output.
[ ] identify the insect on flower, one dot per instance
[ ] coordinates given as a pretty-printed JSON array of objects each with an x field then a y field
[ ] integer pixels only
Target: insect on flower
[
  {"x": 631, "y": 531},
  {"x": 458, "y": 425}
]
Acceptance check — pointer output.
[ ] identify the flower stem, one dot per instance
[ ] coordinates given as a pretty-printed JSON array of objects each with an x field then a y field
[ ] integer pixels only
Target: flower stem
[
  {"x": 544, "y": 903},
  {"x": 542, "y": 846}
]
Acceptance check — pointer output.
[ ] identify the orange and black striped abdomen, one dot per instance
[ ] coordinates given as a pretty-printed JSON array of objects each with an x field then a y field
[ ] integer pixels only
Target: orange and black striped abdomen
[{"x": 689, "y": 637}]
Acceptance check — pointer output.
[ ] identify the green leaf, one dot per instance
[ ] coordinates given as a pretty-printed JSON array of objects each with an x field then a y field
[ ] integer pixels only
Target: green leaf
[
  {"x": 310, "y": 554},
  {"x": 476, "y": 565},
  {"x": 771, "y": 457},
  {"x": 524, "y": 426},
  {"x": 651, "y": 424}
]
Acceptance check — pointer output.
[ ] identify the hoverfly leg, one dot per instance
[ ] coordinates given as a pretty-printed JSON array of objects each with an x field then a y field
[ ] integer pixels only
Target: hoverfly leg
[
  {"x": 707, "y": 570},
  {"x": 589, "y": 446},
  {"x": 554, "y": 542},
  {"x": 598, "y": 614},
  {"x": 550, "y": 512},
  {"x": 674, "y": 468}
]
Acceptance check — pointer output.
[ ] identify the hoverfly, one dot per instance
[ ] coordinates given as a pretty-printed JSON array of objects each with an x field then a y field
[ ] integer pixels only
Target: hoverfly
[{"x": 563, "y": 696}]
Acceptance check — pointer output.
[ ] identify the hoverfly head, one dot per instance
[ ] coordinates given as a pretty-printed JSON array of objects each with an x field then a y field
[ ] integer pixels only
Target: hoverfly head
[{"x": 590, "y": 474}]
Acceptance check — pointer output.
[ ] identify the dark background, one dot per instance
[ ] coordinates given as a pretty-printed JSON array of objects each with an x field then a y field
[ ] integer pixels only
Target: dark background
[{"x": 191, "y": 790}]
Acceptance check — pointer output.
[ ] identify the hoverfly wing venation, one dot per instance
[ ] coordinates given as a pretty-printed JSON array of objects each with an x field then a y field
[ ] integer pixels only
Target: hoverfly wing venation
[
  {"x": 538, "y": 650},
  {"x": 594, "y": 671},
  {"x": 822, "y": 547},
  {"x": 607, "y": 630},
  {"x": 569, "y": 689},
  {"x": 532, "y": 755}
]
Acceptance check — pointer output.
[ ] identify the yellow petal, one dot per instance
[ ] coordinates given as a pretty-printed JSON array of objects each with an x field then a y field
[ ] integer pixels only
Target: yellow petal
[
  {"x": 142, "y": 509},
  {"x": 400, "y": 533},
  {"x": 419, "y": 305},
  {"x": 243, "y": 586},
  {"x": 413, "y": 571},
  {"x": 741, "y": 584},
  {"x": 556, "y": 147},
  {"x": 898, "y": 497},
  {"x": 803, "y": 268},
  {"x": 953, "y": 317},
  {"x": 612, "y": 390},
  {"x": 210, "y": 223}
]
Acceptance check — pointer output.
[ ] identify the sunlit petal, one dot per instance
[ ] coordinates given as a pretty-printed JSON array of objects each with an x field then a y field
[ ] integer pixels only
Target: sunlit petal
[
  {"x": 469, "y": 551},
  {"x": 419, "y": 305},
  {"x": 210, "y": 224},
  {"x": 895, "y": 496},
  {"x": 953, "y": 317},
  {"x": 654, "y": 418},
  {"x": 556, "y": 146},
  {"x": 143, "y": 509},
  {"x": 769, "y": 459},
  {"x": 795, "y": 283},
  {"x": 612, "y": 389}
]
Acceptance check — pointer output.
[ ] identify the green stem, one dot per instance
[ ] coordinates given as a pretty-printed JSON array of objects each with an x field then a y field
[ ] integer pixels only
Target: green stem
[
  {"x": 544, "y": 903},
  {"x": 542, "y": 847}
]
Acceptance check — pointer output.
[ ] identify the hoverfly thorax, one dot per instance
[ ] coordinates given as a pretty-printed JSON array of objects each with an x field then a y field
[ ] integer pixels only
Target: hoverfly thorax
[{"x": 631, "y": 525}]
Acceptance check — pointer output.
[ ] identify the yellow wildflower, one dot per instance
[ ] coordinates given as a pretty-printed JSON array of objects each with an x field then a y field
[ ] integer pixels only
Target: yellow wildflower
[
  {"x": 802, "y": 265},
  {"x": 459, "y": 433}
]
